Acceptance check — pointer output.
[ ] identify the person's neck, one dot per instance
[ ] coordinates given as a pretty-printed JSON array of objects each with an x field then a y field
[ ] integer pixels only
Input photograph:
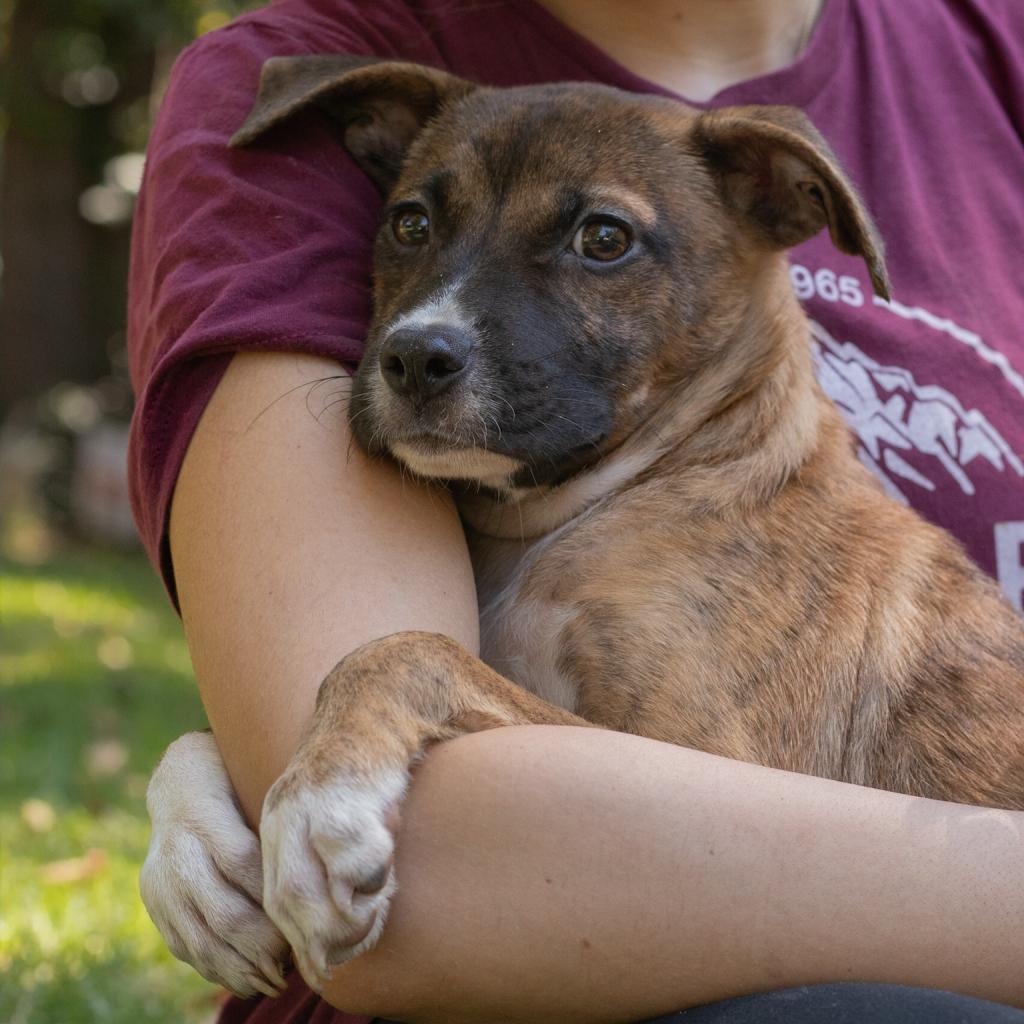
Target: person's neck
[{"x": 696, "y": 48}]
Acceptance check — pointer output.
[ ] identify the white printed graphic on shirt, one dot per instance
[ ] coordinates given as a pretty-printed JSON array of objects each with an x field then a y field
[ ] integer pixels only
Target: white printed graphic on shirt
[
  {"x": 964, "y": 336},
  {"x": 1010, "y": 561},
  {"x": 892, "y": 413}
]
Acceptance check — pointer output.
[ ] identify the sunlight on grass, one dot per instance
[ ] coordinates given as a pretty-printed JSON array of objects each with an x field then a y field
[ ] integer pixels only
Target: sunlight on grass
[
  {"x": 94, "y": 683},
  {"x": 68, "y": 604}
]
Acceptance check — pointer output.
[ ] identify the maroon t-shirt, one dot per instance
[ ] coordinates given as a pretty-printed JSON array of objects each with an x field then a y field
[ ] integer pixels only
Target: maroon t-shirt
[{"x": 923, "y": 100}]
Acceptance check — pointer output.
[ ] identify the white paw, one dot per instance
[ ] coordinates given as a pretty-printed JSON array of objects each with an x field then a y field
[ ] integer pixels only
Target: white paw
[
  {"x": 327, "y": 860},
  {"x": 202, "y": 880}
]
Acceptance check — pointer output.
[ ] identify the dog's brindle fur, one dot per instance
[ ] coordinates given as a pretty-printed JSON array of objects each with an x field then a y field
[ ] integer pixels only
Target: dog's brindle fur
[{"x": 671, "y": 533}]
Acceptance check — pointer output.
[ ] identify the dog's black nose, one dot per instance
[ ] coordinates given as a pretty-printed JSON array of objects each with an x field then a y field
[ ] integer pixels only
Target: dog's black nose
[{"x": 422, "y": 362}]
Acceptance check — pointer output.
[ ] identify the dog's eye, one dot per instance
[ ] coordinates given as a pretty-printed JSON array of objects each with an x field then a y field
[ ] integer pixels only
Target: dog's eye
[
  {"x": 411, "y": 226},
  {"x": 603, "y": 240}
]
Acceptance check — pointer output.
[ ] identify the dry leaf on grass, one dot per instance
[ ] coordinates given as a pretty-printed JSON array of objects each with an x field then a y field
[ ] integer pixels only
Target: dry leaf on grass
[{"x": 76, "y": 869}]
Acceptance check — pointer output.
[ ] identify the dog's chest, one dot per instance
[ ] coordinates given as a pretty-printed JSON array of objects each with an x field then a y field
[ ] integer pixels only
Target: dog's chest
[{"x": 520, "y": 628}]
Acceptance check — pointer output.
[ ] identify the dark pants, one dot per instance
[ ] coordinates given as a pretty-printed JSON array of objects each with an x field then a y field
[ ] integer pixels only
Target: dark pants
[
  {"x": 846, "y": 1003},
  {"x": 850, "y": 1003}
]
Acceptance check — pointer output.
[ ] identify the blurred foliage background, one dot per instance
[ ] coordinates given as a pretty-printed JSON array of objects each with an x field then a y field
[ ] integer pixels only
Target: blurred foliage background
[{"x": 94, "y": 674}]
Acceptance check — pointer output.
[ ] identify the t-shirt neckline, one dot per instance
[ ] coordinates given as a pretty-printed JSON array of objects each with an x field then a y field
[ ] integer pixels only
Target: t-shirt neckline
[{"x": 797, "y": 83}]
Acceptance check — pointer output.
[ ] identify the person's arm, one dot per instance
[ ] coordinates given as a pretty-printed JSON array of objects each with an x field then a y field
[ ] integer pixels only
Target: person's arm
[
  {"x": 551, "y": 874},
  {"x": 291, "y": 549}
]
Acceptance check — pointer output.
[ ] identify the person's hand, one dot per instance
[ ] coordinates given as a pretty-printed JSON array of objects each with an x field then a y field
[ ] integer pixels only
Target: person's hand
[{"x": 202, "y": 881}]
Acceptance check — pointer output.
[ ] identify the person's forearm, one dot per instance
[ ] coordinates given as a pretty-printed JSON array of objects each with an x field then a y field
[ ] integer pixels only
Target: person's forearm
[
  {"x": 291, "y": 549},
  {"x": 552, "y": 874}
]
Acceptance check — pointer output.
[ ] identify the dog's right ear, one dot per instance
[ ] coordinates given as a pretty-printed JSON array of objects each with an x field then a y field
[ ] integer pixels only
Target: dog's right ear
[
  {"x": 777, "y": 172},
  {"x": 381, "y": 105}
]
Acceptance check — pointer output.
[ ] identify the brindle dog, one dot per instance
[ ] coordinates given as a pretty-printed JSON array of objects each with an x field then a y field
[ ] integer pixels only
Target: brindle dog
[{"x": 584, "y": 322}]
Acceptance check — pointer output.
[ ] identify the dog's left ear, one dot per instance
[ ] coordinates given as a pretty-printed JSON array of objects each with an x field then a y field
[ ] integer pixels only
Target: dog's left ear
[
  {"x": 381, "y": 105},
  {"x": 776, "y": 170}
]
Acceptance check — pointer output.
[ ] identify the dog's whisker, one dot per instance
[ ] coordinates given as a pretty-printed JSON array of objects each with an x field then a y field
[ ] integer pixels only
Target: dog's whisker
[
  {"x": 327, "y": 408},
  {"x": 311, "y": 384}
]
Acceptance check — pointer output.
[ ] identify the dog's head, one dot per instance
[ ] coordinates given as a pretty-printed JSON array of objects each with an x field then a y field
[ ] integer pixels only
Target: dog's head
[{"x": 552, "y": 260}]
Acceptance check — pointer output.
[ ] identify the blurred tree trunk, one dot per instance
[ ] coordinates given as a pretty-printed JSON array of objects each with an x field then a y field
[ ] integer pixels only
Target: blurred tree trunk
[
  {"x": 44, "y": 240},
  {"x": 62, "y": 291}
]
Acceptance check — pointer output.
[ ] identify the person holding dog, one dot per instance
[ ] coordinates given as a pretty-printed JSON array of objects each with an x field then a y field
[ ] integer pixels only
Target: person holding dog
[{"x": 690, "y": 879}]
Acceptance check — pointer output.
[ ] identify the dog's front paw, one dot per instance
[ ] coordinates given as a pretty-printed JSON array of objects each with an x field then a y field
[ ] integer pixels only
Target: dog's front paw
[
  {"x": 202, "y": 879},
  {"x": 327, "y": 860}
]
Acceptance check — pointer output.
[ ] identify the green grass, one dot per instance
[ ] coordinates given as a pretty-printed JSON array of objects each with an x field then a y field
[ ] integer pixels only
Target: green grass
[{"x": 94, "y": 683}]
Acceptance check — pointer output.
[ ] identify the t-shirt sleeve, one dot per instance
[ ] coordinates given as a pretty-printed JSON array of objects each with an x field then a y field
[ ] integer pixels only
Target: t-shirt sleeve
[{"x": 264, "y": 248}]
